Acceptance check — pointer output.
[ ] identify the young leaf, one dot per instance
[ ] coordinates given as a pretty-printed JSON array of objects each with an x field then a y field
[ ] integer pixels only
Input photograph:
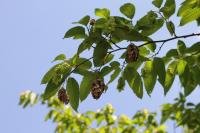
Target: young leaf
[
  {"x": 181, "y": 47},
  {"x": 128, "y": 10},
  {"x": 169, "y": 8},
  {"x": 75, "y": 32},
  {"x": 149, "y": 76},
  {"x": 50, "y": 90},
  {"x": 181, "y": 66},
  {"x": 121, "y": 84},
  {"x": 114, "y": 75},
  {"x": 47, "y": 77},
  {"x": 170, "y": 76},
  {"x": 160, "y": 69},
  {"x": 100, "y": 53},
  {"x": 60, "y": 57},
  {"x": 157, "y": 3},
  {"x": 73, "y": 92},
  {"x": 85, "y": 87},
  {"x": 134, "y": 81},
  {"x": 84, "y": 21},
  {"x": 104, "y": 13},
  {"x": 190, "y": 15},
  {"x": 170, "y": 27}
]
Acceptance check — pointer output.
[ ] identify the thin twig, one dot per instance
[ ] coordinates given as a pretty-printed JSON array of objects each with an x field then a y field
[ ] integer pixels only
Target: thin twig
[
  {"x": 149, "y": 42},
  {"x": 158, "y": 50},
  {"x": 170, "y": 39}
]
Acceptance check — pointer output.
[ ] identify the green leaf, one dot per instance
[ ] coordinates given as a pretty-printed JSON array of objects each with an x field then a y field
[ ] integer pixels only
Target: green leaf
[
  {"x": 84, "y": 21},
  {"x": 181, "y": 66},
  {"x": 100, "y": 53},
  {"x": 190, "y": 15},
  {"x": 160, "y": 69},
  {"x": 196, "y": 72},
  {"x": 85, "y": 87},
  {"x": 172, "y": 53},
  {"x": 149, "y": 76},
  {"x": 77, "y": 32},
  {"x": 129, "y": 34},
  {"x": 170, "y": 27},
  {"x": 104, "y": 13},
  {"x": 151, "y": 46},
  {"x": 128, "y": 10},
  {"x": 121, "y": 84},
  {"x": 73, "y": 92},
  {"x": 169, "y": 8},
  {"x": 86, "y": 44},
  {"x": 86, "y": 65},
  {"x": 106, "y": 70},
  {"x": 170, "y": 76},
  {"x": 134, "y": 81},
  {"x": 60, "y": 57},
  {"x": 50, "y": 90},
  {"x": 114, "y": 75},
  {"x": 47, "y": 77},
  {"x": 144, "y": 51},
  {"x": 181, "y": 47},
  {"x": 157, "y": 3}
]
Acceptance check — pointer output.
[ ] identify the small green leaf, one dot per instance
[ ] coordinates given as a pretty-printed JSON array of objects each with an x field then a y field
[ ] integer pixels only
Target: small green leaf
[
  {"x": 85, "y": 87},
  {"x": 151, "y": 46},
  {"x": 160, "y": 69},
  {"x": 157, "y": 3},
  {"x": 104, "y": 13},
  {"x": 170, "y": 27},
  {"x": 181, "y": 47},
  {"x": 86, "y": 44},
  {"x": 149, "y": 75},
  {"x": 60, "y": 57},
  {"x": 47, "y": 77},
  {"x": 181, "y": 66},
  {"x": 106, "y": 70},
  {"x": 170, "y": 76},
  {"x": 73, "y": 92},
  {"x": 84, "y": 21},
  {"x": 100, "y": 53},
  {"x": 169, "y": 8},
  {"x": 190, "y": 15},
  {"x": 196, "y": 72},
  {"x": 172, "y": 53},
  {"x": 121, "y": 84},
  {"x": 50, "y": 90},
  {"x": 128, "y": 10},
  {"x": 114, "y": 75},
  {"x": 134, "y": 81},
  {"x": 75, "y": 32}
]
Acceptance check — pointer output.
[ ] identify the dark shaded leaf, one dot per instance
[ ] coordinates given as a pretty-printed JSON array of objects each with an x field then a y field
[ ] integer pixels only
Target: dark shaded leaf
[
  {"x": 157, "y": 3},
  {"x": 73, "y": 92},
  {"x": 169, "y": 8}
]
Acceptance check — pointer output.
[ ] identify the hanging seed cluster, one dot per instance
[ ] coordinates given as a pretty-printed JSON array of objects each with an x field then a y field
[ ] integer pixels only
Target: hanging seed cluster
[
  {"x": 62, "y": 96},
  {"x": 92, "y": 22},
  {"x": 132, "y": 53},
  {"x": 98, "y": 88}
]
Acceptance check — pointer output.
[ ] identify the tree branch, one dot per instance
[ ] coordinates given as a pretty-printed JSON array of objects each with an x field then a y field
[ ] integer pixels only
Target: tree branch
[
  {"x": 170, "y": 39},
  {"x": 159, "y": 41}
]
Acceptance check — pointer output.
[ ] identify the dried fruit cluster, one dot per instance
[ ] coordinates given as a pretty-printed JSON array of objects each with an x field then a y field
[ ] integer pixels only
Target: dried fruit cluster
[
  {"x": 132, "y": 53},
  {"x": 98, "y": 88},
  {"x": 62, "y": 96}
]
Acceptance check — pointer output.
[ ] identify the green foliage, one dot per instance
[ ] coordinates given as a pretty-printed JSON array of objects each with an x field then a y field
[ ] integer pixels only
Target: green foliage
[{"x": 102, "y": 37}]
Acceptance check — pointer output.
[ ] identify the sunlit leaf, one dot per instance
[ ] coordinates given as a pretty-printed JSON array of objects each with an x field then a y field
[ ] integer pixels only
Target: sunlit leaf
[
  {"x": 128, "y": 10},
  {"x": 104, "y": 13}
]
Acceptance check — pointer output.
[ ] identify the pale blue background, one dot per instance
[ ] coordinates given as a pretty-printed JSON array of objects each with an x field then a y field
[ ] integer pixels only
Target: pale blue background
[{"x": 31, "y": 33}]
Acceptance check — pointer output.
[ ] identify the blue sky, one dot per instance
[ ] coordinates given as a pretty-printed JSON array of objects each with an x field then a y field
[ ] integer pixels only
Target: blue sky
[{"x": 31, "y": 33}]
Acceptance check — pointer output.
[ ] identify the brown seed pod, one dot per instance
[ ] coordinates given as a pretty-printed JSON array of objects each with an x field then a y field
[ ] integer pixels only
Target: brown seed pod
[
  {"x": 92, "y": 21},
  {"x": 62, "y": 96},
  {"x": 98, "y": 87},
  {"x": 132, "y": 53}
]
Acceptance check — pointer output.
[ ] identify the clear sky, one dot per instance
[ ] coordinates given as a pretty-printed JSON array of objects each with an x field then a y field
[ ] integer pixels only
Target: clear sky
[{"x": 31, "y": 33}]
